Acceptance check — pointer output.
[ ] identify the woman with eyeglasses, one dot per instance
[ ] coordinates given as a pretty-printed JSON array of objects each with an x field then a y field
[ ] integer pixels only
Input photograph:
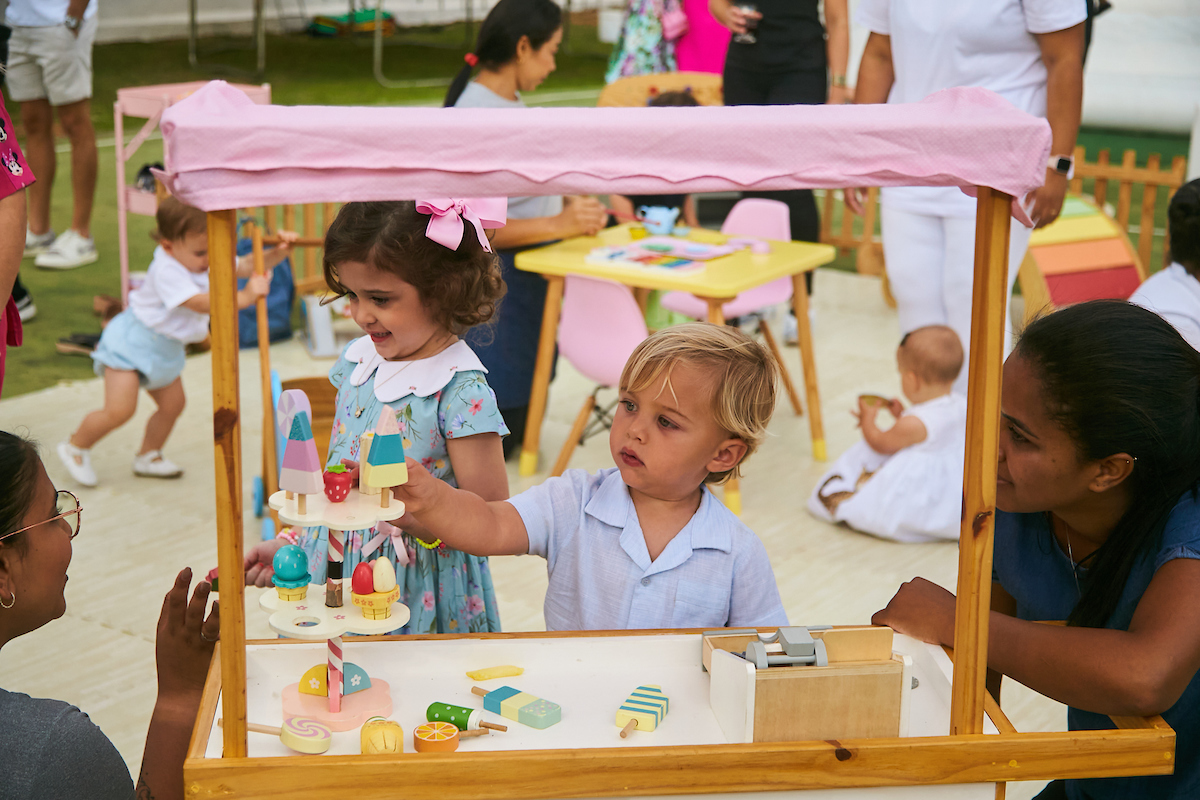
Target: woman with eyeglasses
[{"x": 48, "y": 748}]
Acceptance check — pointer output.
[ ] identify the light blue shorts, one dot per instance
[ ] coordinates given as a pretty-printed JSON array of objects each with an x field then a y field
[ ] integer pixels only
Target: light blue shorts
[{"x": 128, "y": 344}]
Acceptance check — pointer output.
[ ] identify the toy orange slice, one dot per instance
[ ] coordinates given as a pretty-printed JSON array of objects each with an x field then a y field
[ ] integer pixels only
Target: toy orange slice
[{"x": 435, "y": 737}]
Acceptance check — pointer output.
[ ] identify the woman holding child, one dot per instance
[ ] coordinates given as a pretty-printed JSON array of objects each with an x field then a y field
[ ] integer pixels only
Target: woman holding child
[{"x": 1098, "y": 524}]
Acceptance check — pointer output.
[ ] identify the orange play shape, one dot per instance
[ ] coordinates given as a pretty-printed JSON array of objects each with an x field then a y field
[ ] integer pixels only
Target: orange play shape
[{"x": 1055, "y": 259}]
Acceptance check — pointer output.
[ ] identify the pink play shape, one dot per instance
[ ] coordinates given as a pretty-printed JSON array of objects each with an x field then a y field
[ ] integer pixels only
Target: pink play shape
[{"x": 357, "y": 708}]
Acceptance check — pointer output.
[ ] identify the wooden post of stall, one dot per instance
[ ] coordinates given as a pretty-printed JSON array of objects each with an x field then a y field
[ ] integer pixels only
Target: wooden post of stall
[
  {"x": 270, "y": 475},
  {"x": 227, "y": 444},
  {"x": 979, "y": 483}
]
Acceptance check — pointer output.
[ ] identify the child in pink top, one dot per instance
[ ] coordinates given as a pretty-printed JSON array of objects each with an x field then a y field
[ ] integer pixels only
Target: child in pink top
[{"x": 15, "y": 175}]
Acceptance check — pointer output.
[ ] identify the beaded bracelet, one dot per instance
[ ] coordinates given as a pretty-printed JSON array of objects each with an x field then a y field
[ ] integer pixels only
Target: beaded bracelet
[
  {"x": 428, "y": 546},
  {"x": 288, "y": 534}
]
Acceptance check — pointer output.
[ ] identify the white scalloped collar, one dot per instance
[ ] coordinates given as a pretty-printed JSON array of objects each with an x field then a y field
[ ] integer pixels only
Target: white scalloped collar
[{"x": 397, "y": 379}]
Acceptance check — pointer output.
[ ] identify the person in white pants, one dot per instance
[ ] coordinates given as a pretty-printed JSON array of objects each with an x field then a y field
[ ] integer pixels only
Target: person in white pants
[{"x": 1030, "y": 52}]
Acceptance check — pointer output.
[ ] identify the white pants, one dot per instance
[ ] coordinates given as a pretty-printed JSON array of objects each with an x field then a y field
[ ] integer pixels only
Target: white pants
[{"x": 931, "y": 268}]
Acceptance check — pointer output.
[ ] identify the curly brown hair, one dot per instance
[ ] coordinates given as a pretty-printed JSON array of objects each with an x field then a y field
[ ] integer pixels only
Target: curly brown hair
[{"x": 460, "y": 288}]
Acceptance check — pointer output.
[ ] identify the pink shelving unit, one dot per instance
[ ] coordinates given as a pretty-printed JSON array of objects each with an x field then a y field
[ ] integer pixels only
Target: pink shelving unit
[{"x": 148, "y": 103}]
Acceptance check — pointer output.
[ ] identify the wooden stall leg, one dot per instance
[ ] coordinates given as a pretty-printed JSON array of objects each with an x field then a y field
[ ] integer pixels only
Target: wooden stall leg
[
  {"x": 270, "y": 477},
  {"x": 809, "y": 366},
  {"x": 541, "y": 375},
  {"x": 784, "y": 375},
  {"x": 227, "y": 447},
  {"x": 972, "y": 605},
  {"x": 564, "y": 455}
]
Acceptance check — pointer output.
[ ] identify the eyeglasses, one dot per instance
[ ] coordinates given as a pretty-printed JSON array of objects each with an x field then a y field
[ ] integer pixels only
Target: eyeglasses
[{"x": 68, "y": 507}]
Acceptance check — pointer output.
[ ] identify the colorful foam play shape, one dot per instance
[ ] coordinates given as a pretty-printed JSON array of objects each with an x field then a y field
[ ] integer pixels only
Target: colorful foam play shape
[
  {"x": 517, "y": 705},
  {"x": 644, "y": 709},
  {"x": 354, "y": 678},
  {"x": 384, "y": 463},
  {"x": 301, "y": 470}
]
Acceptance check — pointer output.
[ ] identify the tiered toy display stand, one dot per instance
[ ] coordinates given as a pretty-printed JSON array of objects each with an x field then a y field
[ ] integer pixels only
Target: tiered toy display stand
[
  {"x": 148, "y": 103},
  {"x": 1083, "y": 255},
  {"x": 324, "y": 614},
  {"x": 962, "y": 137}
]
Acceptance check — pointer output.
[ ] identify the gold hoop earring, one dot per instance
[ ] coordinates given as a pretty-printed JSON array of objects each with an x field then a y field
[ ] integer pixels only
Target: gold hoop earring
[{"x": 12, "y": 602}]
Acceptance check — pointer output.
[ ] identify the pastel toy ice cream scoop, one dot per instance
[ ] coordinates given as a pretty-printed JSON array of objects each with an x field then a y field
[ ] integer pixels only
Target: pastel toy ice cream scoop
[{"x": 291, "y": 573}]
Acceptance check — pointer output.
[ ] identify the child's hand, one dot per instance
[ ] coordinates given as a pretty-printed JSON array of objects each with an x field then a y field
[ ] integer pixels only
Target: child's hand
[
  {"x": 895, "y": 407},
  {"x": 257, "y": 562},
  {"x": 583, "y": 216},
  {"x": 258, "y": 285},
  {"x": 420, "y": 493},
  {"x": 287, "y": 240},
  {"x": 867, "y": 410},
  {"x": 352, "y": 466},
  {"x": 184, "y": 645},
  {"x": 920, "y": 609}
]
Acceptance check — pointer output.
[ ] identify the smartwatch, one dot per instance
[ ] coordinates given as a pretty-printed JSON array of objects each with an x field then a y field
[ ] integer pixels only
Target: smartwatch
[
  {"x": 72, "y": 23},
  {"x": 1063, "y": 165}
]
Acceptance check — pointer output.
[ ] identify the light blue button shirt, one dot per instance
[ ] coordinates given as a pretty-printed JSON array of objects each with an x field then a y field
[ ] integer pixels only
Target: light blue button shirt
[{"x": 715, "y": 572}]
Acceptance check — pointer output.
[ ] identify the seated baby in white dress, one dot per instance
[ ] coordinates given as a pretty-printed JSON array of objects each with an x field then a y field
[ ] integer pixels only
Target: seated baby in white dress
[{"x": 905, "y": 482}]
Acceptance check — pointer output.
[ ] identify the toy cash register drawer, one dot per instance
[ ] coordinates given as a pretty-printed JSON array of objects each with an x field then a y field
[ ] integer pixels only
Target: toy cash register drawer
[{"x": 801, "y": 684}]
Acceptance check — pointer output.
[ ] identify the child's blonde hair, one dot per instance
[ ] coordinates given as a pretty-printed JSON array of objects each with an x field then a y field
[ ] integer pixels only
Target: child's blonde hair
[
  {"x": 934, "y": 353},
  {"x": 744, "y": 376}
]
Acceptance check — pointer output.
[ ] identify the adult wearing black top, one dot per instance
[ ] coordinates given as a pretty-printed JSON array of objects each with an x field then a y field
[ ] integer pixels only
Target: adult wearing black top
[{"x": 791, "y": 62}]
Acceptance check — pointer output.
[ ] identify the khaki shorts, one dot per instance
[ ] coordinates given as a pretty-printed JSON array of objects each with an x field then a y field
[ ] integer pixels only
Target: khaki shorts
[{"x": 51, "y": 63}]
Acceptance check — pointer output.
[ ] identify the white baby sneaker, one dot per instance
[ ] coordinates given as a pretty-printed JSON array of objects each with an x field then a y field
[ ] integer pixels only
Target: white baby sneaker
[
  {"x": 153, "y": 465},
  {"x": 78, "y": 463}
]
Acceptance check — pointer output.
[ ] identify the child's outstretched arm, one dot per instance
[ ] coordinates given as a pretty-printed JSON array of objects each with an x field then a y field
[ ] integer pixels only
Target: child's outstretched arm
[
  {"x": 907, "y": 431},
  {"x": 183, "y": 649},
  {"x": 257, "y": 286},
  {"x": 272, "y": 256},
  {"x": 462, "y": 520}
]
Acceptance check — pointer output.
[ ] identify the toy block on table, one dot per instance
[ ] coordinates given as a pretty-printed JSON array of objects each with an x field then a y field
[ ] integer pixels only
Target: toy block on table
[
  {"x": 301, "y": 471},
  {"x": 490, "y": 673},
  {"x": 643, "y": 710},
  {"x": 373, "y": 588},
  {"x": 516, "y": 705},
  {"x": 383, "y": 467}
]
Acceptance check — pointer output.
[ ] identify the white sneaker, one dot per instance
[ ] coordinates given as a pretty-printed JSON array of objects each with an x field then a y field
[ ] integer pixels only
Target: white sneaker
[
  {"x": 26, "y": 309},
  {"x": 78, "y": 463},
  {"x": 153, "y": 465},
  {"x": 70, "y": 250},
  {"x": 36, "y": 244},
  {"x": 791, "y": 336}
]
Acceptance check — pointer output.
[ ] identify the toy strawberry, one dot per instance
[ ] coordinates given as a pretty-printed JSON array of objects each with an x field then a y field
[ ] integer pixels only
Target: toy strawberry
[{"x": 337, "y": 483}]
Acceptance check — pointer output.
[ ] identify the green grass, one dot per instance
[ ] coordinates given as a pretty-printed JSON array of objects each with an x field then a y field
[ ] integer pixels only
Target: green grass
[{"x": 304, "y": 70}]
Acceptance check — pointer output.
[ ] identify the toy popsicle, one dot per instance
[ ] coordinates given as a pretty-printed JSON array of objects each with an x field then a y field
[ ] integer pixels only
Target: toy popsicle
[
  {"x": 301, "y": 734},
  {"x": 644, "y": 709},
  {"x": 440, "y": 737},
  {"x": 301, "y": 471},
  {"x": 383, "y": 466},
  {"x": 465, "y": 719},
  {"x": 517, "y": 705}
]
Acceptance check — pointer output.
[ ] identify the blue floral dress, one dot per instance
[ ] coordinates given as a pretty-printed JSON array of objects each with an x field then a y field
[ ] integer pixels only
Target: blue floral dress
[{"x": 435, "y": 399}]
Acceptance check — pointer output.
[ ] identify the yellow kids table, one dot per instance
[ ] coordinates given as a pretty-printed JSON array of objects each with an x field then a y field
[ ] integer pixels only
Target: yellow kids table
[{"x": 717, "y": 283}]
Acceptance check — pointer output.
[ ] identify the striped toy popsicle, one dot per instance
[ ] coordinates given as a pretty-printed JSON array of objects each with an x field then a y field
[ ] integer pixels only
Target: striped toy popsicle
[
  {"x": 517, "y": 705},
  {"x": 644, "y": 709}
]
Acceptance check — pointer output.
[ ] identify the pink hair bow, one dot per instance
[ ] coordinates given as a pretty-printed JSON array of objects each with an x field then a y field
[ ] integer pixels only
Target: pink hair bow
[{"x": 448, "y": 213}]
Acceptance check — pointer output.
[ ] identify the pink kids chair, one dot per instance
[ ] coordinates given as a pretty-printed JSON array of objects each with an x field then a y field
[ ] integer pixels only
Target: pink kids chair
[
  {"x": 600, "y": 327},
  {"x": 760, "y": 218}
]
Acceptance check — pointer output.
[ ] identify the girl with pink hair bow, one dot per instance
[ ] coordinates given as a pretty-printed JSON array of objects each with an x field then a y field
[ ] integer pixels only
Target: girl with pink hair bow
[{"x": 417, "y": 275}]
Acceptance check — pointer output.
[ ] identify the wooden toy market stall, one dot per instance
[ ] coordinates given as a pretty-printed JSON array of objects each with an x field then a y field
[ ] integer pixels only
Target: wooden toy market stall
[{"x": 226, "y": 153}]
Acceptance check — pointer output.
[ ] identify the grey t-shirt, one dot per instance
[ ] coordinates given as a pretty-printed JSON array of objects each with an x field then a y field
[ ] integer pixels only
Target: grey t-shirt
[
  {"x": 50, "y": 749},
  {"x": 476, "y": 95}
]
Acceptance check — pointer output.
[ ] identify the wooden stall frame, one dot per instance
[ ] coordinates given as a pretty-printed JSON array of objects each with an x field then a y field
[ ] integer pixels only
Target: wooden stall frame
[{"x": 965, "y": 755}]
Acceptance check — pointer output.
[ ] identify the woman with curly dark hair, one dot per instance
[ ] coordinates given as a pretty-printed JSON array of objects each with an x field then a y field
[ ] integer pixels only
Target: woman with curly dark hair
[{"x": 418, "y": 276}]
